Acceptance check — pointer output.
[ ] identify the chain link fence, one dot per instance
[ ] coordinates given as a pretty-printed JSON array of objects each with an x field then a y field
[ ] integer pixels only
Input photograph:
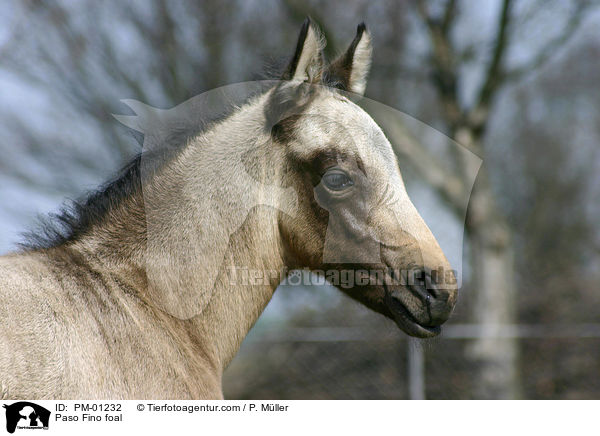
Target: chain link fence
[{"x": 348, "y": 352}]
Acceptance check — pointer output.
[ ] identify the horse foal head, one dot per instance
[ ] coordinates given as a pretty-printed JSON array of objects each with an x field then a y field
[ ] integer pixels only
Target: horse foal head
[{"x": 355, "y": 214}]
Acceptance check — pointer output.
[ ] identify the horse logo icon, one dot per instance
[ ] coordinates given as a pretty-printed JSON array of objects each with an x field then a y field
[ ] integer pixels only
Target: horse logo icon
[{"x": 24, "y": 414}]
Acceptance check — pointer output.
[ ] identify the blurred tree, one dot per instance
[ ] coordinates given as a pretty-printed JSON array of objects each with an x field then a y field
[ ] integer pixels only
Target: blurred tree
[
  {"x": 466, "y": 120},
  {"x": 86, "y": 57}
]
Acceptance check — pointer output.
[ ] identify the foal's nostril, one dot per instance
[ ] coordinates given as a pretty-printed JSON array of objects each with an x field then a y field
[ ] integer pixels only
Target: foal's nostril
[
  {"x": 432, "y": 295},
  {"x": 420, "y": 284}
]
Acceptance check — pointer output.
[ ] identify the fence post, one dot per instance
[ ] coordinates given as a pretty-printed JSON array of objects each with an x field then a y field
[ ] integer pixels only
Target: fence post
[{"x": 416, "y": 369}]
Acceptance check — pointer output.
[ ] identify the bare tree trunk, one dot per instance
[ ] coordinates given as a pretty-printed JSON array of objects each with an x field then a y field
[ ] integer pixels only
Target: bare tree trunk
[
  {"x": 493, "y": 286},
  {"x": 492, "y": 275},
  {"x": 490, "y": 241},
  {"x": 492, "y": 281}
]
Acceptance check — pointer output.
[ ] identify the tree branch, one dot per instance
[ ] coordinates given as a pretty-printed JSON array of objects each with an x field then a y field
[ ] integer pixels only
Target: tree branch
[
  {"x": 493, "y": 77},
  {"x": 550, "y": 49},
  {"x": 443, "y": 61},
  {"x": 448, "y": 19}
]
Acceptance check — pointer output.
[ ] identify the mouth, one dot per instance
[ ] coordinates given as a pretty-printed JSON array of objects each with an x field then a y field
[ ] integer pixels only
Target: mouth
[{"x": 405, "y": 321}]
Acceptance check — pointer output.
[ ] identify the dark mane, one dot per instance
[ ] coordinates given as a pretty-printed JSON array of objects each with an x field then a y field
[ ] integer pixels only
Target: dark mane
[{"x": 77, "y": 216}]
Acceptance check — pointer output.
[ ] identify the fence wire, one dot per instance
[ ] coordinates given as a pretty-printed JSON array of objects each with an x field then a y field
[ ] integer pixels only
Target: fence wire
[{"x": 375, "y": 362}]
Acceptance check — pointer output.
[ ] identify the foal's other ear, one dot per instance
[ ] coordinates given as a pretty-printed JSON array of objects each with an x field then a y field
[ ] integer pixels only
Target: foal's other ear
[
  {"x": 350, "y": 70},
  {"x": 307, "y": 63}
]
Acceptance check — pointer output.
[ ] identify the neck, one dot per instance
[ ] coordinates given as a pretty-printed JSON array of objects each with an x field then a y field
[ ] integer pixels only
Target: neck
[
  {"x": 200, "y": 231},
  {"x": 247, "y": 279}
]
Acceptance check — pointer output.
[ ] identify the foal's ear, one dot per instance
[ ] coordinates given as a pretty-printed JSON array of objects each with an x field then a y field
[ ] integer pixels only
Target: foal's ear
[
  {"x": 350, "y": 70},
  {"x": 307, "y": 63}
]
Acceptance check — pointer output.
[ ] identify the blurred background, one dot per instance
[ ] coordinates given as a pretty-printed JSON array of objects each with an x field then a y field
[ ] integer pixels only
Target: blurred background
[{"x": 515, "y": 82}]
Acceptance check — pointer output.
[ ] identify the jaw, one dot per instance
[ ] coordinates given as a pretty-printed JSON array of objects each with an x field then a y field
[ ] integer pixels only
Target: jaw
[{"x": 379, "y": 300}]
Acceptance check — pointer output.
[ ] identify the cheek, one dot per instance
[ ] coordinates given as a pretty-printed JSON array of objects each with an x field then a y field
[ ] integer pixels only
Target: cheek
[
  {"x": 350, "y": 237},
  {"x": 350, "y": 211},
  {"x": 303, "y": 235}
]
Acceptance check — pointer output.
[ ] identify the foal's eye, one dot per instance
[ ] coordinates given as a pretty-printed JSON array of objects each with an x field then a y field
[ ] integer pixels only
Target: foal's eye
[{"x": 337, "y": 180}]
